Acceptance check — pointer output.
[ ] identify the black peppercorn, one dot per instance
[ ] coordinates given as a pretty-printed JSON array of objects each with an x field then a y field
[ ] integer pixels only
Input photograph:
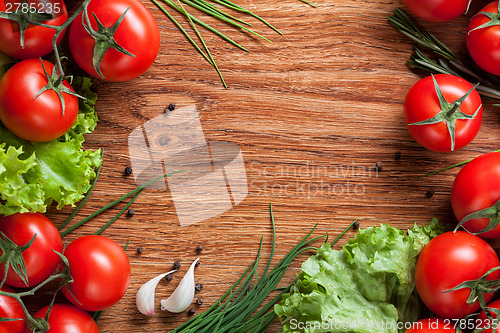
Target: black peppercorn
[
  {"x": 140, "y": 250},
  {"x": 191, "y": 311},
  {"x": 397, "y": 155},
  {"x": 199, "y": 248},
  {"x": 198, "y": 287},
  {"x": 171, "y": 107},
  {"x": 131, "y": 212},
  {"x": 378, "y": 166},
  {"x": 430, "y": 192},
  {"x": 168, "y": 277},
  {"x": 198, "y": 263},
  {"x": 128, "y": 171},
  {"x": 355, "y": 225},
  {"x": 199, "y": 301},
  {"x": 177, "y": 264}
]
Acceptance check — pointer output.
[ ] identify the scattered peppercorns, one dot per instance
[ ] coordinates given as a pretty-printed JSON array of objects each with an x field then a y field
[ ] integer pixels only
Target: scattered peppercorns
[
  {"x": 131, "y": 212},
  {"x": 177, "y": 264},
  {"x": 128, "y": 171},
  {"x": 199, "y": 248},
  {"x": 430, "y": 192},
  {"x": 171, "y": 107},
  {"x": 168, "y": 277},
  {"x": 355, "y": 225},
  {"x": 140, "y": 250},
  {"x": 191, "y": 311},
  {"x": 199, "y": 301},
  {"x": 198, "y": 263},
  {"x": 198, "y": 287}
]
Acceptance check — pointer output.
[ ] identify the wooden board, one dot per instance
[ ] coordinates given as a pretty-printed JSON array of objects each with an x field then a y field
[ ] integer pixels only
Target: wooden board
[{"x": 312, "y": 112}]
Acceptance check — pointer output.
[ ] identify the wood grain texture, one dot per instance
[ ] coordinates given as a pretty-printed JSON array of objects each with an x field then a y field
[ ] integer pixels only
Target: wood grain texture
[{"x": 312, "y": 112}]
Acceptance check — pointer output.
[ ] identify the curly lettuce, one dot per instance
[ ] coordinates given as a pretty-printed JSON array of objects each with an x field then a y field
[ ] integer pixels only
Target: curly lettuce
[
  {"x": 34, "y": 175},
  {"x": 367, "y": 286}
]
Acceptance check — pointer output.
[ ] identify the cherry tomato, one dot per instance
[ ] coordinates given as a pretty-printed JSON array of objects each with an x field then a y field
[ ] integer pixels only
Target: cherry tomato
[
  {"x": 431, "y": 325},
  {"x": 39, "y": 259},
  {"x": 37, "y": 39},
  {"x": 483, "y": 43},
  {"x": 488, "y": 324},
  {"x": 100, "y": 270},
  {"x": 422, "y": 104},
  {"x": 138, "y": 34},
  {"x": 66, "y": 318},
  {"x": 447, "y": 261},
  {"x": 437, "y": 10},
  {"x": 476, "y": 187},
  {"x": 34, "y": 119},
  {"x": 10, "y": 308}
]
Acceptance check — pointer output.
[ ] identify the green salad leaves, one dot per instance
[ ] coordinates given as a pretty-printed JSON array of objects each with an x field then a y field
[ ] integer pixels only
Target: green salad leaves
[
  {"x": 34, "y": 175},
  {"x": 367, "y": 286}
]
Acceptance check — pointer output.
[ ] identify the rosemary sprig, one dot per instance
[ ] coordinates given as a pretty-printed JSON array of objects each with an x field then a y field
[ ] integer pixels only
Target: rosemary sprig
[
  {"x": 237, "y": 311},
  {"x": 447, "y": 62}
]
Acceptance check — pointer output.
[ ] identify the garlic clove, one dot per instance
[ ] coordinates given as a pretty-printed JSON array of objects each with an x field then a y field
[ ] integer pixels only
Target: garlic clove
[
  {"x": 145, "y": 297},
  {"x": 183, "y": 295}
]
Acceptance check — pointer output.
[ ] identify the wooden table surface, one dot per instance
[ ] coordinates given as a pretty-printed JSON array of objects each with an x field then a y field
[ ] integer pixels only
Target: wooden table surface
[{"x": 313, "y": 113}]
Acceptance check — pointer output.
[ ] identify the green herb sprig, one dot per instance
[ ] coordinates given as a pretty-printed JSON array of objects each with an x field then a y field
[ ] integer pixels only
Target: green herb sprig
[
  {"x": 447, "y": 62},
  {"x": 236, "y": 311}
]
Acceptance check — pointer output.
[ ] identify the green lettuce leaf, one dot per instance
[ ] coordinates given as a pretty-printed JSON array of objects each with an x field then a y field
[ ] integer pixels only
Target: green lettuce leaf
[
  {"x": 35, "y": 175},
  {"x": 367, "y": 286}
]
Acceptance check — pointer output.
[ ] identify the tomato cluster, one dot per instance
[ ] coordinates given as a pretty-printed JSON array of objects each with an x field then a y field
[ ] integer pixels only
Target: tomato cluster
[
  {"x": 114, "y": 40},
  {"x": 98, "y": 266}
]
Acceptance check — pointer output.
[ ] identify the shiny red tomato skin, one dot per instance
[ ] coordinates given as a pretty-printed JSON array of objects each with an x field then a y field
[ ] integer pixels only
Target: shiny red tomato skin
[
  {"x": 484, "y": 44},
  {"x": 100, "y": 270},
  {"x": 437, "y": 10},
  {"x": 477, "y": 186},
  {"x": 422, "y": 103},
  {"x": 40, "y": 259},
  {"x": 37, "y": 39},
  {"x": 40, "y": 119},
  {"x": 138, "y": 33},
  {"x": 66, "y": 318},
  {"x": 445, "y": 262},
  {"x": 431, "y": 325},
  {"x": 10, "y": 308},
  {"x": 482, "y": 320}
]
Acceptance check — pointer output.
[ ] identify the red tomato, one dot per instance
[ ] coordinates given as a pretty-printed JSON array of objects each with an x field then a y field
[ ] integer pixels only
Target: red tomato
[
  {"x": 489, "y": 324},
  {"x": 476, "y": 187},
  {"x": 10, "y": 308},
  {"x": 37, "y": 39},
  {"x": 429, "y": 325},
  {"x": 483, "y": 44},
  {"x": 422, "y": 103},
  {"x": 437, "y": 10},
  {"x": 40, "y": 119},
  {"x": 65, "y": 318},
  {"x": 39, "y": 258},
  {"x": 447, "y": 261},
  {"x": 100, "y": 270},
  {"x": 138, "y": 33}
]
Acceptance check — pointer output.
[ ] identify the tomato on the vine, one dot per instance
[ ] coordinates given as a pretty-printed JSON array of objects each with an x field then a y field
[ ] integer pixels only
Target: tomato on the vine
[
  {"x": 37, "y": 39},
  {"x": 134, "y": 44},
  {"x": 30, "y": 115},
  {"x": 475, "y": 195},
  {"x": 40, "y": 259},
  {"x": 448, "y": 261},
  {"x": 437, "y": 10},
  {"x": 483, "y": 38},
  {"x": 431, "y": 325},
  {"x": 10, "y": 308},
  {"x": 443, "y": 112},
  {"x": 489, "y": 324},
  {"x": 66, "y": 318},
  {"x": 100, "y": 270}
]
